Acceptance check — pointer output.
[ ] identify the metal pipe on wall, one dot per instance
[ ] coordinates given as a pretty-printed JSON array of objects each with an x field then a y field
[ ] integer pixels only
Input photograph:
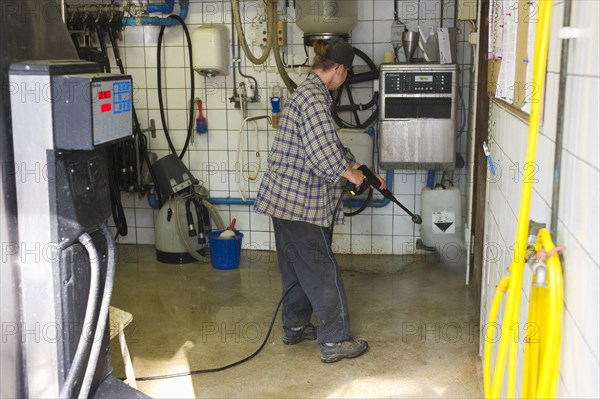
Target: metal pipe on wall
[{"x": 560, "y": 123}]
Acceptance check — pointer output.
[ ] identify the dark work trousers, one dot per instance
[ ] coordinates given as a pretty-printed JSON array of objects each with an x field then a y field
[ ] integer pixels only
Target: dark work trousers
[{"x": 305, "y": 257}]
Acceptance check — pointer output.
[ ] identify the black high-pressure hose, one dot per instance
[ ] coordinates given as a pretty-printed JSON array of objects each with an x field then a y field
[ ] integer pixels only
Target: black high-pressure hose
[
  {"x": 200, "y": 214},
  {"x": 222, "y": 368},
  {"x": 118, "y": 212},
  {"x": 142, "y": 139},
  {"x": 103, "y": 49},
  {"x": 370, "y": 181},
  {"x": 192, "y": 84}
]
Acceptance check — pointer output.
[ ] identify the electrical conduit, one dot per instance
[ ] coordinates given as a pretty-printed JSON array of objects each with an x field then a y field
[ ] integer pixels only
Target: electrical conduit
[{"x": 514, "y": 290}]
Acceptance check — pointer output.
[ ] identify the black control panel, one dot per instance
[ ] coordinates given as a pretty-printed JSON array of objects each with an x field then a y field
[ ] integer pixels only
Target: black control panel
[{"x": 418, "y": 83}]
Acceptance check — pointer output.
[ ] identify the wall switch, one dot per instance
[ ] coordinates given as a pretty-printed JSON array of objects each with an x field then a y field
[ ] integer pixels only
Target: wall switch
[
  {"x": 259, "y": 29},
  {"x": 281, "y": 33}
]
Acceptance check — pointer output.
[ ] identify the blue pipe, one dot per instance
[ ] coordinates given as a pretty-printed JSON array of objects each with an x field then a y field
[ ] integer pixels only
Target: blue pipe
[
  {"x": 230, "y": 201},
  {"x": 184, "y": 6},
  {"x": 165, "y": 8},
  {"x": 379, "y": 203}
]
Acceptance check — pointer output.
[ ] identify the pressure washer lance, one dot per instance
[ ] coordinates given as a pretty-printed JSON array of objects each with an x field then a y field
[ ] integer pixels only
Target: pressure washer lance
[{"x": 372, "y": 180}]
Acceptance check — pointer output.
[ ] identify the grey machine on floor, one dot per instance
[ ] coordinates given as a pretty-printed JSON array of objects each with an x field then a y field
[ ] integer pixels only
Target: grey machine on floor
[{"x": 58, "y": 114}]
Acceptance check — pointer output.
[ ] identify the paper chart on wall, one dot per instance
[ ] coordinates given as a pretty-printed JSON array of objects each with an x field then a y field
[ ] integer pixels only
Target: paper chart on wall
[
  {"x": 506, "y": 78},
  {"x": 530, "y": 50},
  {"x": 491, "y": 29}
]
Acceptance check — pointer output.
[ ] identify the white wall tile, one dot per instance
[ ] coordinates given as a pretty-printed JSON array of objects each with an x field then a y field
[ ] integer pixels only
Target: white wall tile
[
  {"x": 341, "y": 242},
  {"x": 365, "y": 9},
  {"x": 581, "y": 276},
  {"x": 145, "y": 235},
  {"x": 580, "y": 205},
  {"x": 578, "y": 368},
  {"x": 135, "y": 57},
  {"x": 361, "y": 244},
  {"x": 430, "y": 9},
  {"x": 133, "y": 37},
  {"x": 362, "y": 33},
  {"x": 383, "y": 10},
  {"x": 382, "y": 244},
  {"x": 259, "y": 240},
  {"x": 144, "y": 217},
  {"x": 361, "y": 225},
  {"x": 584, "y": 57},
  {"x": 403, "y": 245},
  {"x": 581, "y": 117},
  {"x": 407, "y": 10}
]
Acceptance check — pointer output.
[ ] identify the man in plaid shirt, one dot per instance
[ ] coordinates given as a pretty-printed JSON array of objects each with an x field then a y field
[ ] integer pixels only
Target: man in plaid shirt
[{"x": 300, "y": 190}]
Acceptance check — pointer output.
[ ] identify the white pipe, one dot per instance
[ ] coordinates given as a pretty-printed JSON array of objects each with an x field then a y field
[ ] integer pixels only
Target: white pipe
[
  {"x": 103, "y": 316},
  {"x": 88, "y": 319}
]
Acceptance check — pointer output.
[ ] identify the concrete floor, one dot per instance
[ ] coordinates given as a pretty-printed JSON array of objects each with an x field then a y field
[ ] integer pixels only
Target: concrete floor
[{"x": 417, "y": 315}]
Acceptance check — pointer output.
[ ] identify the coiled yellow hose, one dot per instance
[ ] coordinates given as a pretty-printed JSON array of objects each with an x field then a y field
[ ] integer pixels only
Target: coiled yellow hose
[
  {"x": 542, "y": 340},
  {"x": 541, "y": 369}
]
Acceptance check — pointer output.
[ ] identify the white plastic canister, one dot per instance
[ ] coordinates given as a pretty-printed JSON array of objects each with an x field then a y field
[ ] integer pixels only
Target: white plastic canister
[
  {"x": 210, "y": 44},
  {"x": 442, "y": 218}
]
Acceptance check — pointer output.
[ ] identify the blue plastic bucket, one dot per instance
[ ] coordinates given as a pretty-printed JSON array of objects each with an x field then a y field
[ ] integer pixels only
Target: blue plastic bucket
[{"x": 225, "y": 252}]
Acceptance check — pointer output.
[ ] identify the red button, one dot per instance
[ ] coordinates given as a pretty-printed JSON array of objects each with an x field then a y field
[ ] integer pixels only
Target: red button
[
  {"x": 105, "y": 107},
  {"x": 100, "y": 95},
  {"x": 107, "y": 94}
]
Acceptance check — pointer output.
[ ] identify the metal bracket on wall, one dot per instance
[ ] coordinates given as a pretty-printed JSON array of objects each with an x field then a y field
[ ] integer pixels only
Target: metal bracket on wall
[{"x": 151, "y": 129}]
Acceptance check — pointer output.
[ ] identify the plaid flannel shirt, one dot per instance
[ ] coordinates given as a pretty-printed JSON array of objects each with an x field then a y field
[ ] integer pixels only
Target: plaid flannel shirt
[{"x": 306, "y": 161}]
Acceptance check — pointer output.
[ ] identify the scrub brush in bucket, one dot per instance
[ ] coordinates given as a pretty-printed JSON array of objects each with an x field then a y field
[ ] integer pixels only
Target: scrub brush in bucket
[
  {"x": 201, "y": 125},
  {"x": 229, "y": 232}
]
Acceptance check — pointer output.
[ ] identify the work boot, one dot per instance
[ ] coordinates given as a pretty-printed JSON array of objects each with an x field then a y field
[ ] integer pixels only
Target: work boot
[
  {"x": 292, "y": 336},
  {"x": 348, "y": 349}
]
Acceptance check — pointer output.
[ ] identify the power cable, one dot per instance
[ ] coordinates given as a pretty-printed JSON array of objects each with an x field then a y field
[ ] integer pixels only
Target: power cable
[{"x": 192, "y": 84}]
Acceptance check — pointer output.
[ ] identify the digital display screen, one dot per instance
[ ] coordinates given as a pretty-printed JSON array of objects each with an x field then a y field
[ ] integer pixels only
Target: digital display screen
[
  {"x": 423, "y": 78},
  {"x": 103, "y": 94}
]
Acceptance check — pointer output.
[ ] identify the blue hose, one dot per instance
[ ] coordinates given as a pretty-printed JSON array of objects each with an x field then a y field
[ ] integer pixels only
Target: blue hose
[{"x": 165, "y": 8}]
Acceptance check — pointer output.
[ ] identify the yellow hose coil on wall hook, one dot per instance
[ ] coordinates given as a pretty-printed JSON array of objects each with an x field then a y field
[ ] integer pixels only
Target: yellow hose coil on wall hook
[
  {"x": 542, "y": 348},
  {"x": 540, "y": 377}
]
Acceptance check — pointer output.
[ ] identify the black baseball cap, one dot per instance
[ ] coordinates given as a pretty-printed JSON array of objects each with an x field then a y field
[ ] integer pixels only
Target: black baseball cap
[{"x": 341, "y": 51}]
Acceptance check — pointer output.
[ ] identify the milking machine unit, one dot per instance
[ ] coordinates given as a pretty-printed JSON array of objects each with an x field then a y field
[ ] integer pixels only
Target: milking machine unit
[
  {"x": 64, "y": 114},
  {"x": 182, "y": 225}
]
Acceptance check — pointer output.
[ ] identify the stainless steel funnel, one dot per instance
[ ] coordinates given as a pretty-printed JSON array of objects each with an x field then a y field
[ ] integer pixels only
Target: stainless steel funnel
[{"x": 409, "y": 42}]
